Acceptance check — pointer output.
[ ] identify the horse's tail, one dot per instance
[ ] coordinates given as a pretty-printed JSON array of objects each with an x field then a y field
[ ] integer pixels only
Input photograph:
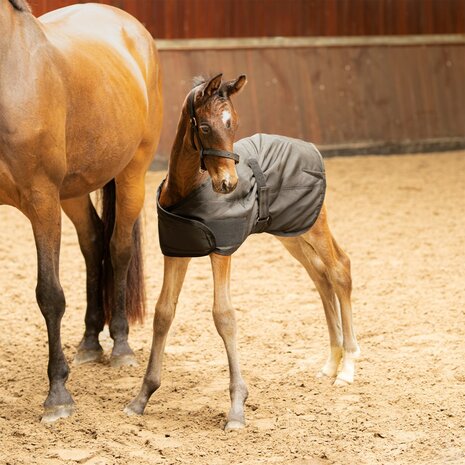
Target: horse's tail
[{"x": 135, "y": 289}]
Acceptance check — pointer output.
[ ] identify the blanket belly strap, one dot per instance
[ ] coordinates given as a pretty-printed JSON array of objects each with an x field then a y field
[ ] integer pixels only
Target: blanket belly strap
[{"x": 263, "y": 197}]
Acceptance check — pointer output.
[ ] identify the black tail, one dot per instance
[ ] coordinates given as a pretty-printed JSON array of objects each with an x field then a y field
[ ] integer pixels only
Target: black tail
[{"x": 135, "y": 285}]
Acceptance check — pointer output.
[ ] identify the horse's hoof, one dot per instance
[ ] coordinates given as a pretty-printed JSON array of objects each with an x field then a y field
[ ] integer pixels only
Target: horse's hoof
[
  {"x": 88, "y": 356},
  {"x": 233, "y": 425},
  {"x": 52, "y": 414},
  {"x": 127, "y": 360},
  {"x": 131, "y": 410}
]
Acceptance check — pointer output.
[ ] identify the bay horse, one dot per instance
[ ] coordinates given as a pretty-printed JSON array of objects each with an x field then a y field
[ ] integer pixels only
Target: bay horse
[
  {"x": 205, "y": 137},
  {"x": 80, "y": 110}
]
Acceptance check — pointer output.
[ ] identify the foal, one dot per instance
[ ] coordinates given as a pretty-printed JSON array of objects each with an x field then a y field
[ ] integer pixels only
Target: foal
[{"x": 208, "y": 119}]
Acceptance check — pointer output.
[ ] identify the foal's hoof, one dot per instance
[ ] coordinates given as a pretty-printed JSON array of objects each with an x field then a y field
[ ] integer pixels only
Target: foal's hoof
[
  {"x": 87, "y": 356},
  {"x": 127, "y": 360},
  {"x": 343, "y": 380},
  {"x": 233, "y": 425},
  {"x": 52, "y": 414},
  {"x": 322, "y": 374},
  {"x": 341, "y": 383},
  {"x": 131, "y": 410}
]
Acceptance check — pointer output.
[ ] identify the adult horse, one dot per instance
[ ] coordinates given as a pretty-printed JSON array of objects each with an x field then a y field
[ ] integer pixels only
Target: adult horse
[
  {"x": 208, "y": 212},
  {"x": 80, "y": 109}
]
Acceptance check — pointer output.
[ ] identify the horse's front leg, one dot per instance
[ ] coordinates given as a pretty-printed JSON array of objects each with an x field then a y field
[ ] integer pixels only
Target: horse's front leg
[
  {"x": 225, "y": 322},
  {"x": 44, "y": 212},
  {"x": 173, "y": 278}
]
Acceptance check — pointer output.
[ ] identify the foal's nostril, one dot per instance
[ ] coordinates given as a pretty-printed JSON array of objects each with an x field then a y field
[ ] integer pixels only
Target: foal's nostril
[{"x": 225, "y": 186}]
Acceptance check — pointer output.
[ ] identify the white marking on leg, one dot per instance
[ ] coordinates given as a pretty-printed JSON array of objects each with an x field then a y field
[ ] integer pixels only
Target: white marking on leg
[
  {"x": 346, "y": 375},
  {"x": 332, "y": 364}
]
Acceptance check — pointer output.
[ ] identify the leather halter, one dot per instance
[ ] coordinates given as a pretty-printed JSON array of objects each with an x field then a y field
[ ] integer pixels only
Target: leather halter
[{"x": 195, "y": 132}]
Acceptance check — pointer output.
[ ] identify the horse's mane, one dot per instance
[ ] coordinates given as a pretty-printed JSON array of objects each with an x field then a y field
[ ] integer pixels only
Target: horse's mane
[{"x": 21, "y": 5}]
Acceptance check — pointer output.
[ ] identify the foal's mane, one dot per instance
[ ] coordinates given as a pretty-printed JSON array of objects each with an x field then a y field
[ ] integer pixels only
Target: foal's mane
[
  {"x": 198, "y": 80},
  {"x": 21, "y": 5}
]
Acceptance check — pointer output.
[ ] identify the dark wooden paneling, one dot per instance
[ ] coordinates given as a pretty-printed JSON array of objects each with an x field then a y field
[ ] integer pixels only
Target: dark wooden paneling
[
  {"x": 350, "y": 95},
  {"x": 334, "y": 96},
  {"x": 172, "y": 19}
]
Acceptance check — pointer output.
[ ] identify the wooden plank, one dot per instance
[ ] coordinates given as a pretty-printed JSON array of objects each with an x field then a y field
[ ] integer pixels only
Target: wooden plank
[
  {"x": 306, "y": 42},
  {"x": 183, "y": 19}
]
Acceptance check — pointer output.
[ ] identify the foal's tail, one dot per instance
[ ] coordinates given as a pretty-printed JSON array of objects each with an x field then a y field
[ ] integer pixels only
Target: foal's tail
[{"x": 135, "y": 289}]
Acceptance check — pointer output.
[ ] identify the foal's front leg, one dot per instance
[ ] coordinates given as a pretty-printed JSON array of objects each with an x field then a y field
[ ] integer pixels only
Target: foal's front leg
[
  {"x": 173, "y": 278},
  {"x": 225, "y": 322}
]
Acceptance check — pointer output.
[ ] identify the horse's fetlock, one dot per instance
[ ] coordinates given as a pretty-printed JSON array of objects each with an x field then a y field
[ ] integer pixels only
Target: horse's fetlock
[
  {"x": 58, "y": 374},
  {"x": 119, "y": 329},
  {"x": 239, "y": 389},
  {"x": 151, "y": 385}
]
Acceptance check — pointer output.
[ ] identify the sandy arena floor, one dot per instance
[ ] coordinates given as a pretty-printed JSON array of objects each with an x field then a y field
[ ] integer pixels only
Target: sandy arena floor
[{"x": 402, "y": 221}]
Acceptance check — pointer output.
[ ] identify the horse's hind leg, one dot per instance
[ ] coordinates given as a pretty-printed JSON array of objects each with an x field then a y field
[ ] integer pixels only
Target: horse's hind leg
[
  {"x": 299, "y": 249},
  {"x": 44, "y": 212},
  {"x": 225, "y": 322},
  {"x": 130, "y": 193},
  {"x": 90, "y": 234},
  {"x": 336, "y": 266},
  {"x": 173, "y": 277}
]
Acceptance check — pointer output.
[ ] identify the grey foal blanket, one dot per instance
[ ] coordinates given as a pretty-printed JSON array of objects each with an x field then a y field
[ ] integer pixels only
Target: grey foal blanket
[{"x": 280, "y": 191}]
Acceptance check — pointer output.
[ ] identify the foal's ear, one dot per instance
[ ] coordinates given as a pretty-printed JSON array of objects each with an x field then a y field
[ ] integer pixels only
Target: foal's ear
[
  {"x": 233, "y": 87},
  {"x": 213, "y": 85}
]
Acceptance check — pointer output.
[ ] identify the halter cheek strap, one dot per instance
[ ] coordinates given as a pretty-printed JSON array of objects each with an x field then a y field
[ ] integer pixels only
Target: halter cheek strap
[{"x": 195, "y": 132}]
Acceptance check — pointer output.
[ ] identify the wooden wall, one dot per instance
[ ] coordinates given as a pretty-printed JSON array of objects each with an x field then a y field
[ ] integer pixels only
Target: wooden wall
[
  {"x": 380, "y": 98},
  {"x": 181, "y": 19},
  {"x": 365, "y": 93}
]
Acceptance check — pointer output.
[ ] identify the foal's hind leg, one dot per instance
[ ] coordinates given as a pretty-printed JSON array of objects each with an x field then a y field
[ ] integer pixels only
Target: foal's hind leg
[
  {"x": 90, "y": 234},
  {"x": 329, "y": 268},
  {"x": 173, "y": 277},
  {"x": 225, "y": 322},
  {"x": 336, "y": 265},
  {"x": 298, "y": 248}
]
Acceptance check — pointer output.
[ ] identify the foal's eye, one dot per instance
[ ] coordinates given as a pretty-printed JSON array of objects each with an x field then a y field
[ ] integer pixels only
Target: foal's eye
[
  {"x": 228, "y": 124},
  {"x": 205, "y": 128}
]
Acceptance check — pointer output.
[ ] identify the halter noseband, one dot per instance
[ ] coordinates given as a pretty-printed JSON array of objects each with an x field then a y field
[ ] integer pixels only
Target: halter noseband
[{"x": 195, "y": 131}]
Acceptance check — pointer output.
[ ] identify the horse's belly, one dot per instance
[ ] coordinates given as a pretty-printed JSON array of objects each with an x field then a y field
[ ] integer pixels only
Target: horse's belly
[
  {"x": 104, "y": 131},
  {"x": 98, "y": 168}
]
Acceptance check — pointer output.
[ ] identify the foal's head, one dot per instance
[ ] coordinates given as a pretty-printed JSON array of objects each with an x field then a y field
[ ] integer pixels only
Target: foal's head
[{"x": 216, "y": 124}]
